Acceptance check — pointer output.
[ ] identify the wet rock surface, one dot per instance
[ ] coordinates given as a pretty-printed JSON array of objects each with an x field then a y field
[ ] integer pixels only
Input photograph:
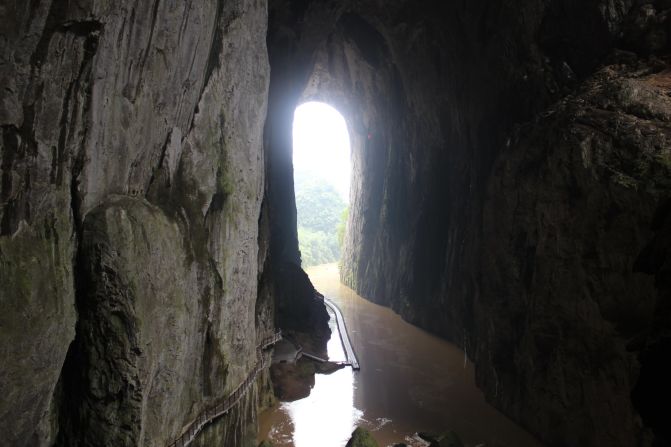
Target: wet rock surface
[
  {"x": 510, "y": 193},
  {"x": 293, "y": 381},
  {"x": 303, "y": 319},
  {"x": 293, "y": 375},
  {"x": 132, "y": 179},
  {"x": 447, "y": 439},
  {"x": 434, "y": 104},
  {"x": 570, "y": 215}
]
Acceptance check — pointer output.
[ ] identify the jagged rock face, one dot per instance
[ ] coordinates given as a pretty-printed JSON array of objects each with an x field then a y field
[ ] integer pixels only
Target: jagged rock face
[
  {"x": 550, "y": 271},
  {"x": 132, "y": 179},
  {"x": 466, "y": 76},
  {"x": 132, "y": 303},
  {"x": 569, "y": 296}
]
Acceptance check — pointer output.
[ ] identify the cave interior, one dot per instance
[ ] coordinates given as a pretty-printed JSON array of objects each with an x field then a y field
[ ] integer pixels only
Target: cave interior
[{"x": 511, "y": 193}]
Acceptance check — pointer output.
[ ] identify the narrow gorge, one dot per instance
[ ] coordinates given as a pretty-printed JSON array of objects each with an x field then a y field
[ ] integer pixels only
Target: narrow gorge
[{"x": 511, "y": 194}]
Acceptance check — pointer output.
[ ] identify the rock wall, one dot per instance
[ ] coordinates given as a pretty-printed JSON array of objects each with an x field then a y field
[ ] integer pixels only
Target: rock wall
[
  {"x": 574, "y": 263},
  {"x": 451, "y": 204},
  {"x": 142, "y": 254},
  {"x": 536, "y": 278},
  {"x": 132, "y": 180},
  {"x": 467, "y": 74}
]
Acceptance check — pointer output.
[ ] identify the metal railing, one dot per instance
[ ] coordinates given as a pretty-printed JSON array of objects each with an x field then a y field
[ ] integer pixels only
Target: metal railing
[
  {"x": 350, "y": 355},
  {"x": 210, "y": 414}
]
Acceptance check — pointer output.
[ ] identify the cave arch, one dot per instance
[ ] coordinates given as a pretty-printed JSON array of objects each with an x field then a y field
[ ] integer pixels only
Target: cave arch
[
  {"x": 322, "y": 173},
  {"x": 318, "y": 64},
  {"x": 448, "y": 93},
  {"x": 492, "y": 204}
]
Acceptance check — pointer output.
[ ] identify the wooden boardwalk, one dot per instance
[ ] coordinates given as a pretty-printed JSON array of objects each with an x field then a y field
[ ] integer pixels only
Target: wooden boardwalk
[
  {"x": 350, "y": 355},
  {"x": 227, "y": 403}
]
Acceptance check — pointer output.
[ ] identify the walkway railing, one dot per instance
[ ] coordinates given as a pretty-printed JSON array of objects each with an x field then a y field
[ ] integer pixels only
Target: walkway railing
[
  {"x": 210, "y": 414},
  {"x": 350, "y": 356}
]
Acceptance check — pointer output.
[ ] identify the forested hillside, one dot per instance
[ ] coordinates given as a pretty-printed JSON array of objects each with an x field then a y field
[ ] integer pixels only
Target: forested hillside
[{"x": 320, "y": 212}]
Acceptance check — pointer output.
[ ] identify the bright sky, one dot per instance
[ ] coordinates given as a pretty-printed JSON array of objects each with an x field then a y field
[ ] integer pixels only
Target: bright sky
[{"x": 321, "y": 145}]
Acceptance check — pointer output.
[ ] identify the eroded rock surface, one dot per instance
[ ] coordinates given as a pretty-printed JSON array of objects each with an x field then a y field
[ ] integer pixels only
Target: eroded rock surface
[
  {"x": 571, "y": 293},
  {"x": 131, "y": 155},
  {"x": 432, "y": 101},
  {"x": 509, "y": 194}
]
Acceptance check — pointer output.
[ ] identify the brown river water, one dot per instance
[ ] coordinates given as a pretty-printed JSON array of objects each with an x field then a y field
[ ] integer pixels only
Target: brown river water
[{"x": 409, "y": 381}]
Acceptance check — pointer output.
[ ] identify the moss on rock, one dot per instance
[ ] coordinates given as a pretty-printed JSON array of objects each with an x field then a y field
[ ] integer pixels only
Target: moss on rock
[{"x": 361, "y": 438}]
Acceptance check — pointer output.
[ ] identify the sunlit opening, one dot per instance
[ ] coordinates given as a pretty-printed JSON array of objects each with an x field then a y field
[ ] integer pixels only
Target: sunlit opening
[{"x": 321, "y": 179}]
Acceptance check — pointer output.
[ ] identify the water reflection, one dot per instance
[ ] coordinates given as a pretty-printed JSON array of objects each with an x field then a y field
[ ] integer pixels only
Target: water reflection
[
  {"x": 409, "y": 381},
  {"x": 327, "y": 416}
]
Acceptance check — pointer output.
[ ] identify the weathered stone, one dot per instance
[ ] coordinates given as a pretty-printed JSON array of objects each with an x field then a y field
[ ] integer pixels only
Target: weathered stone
[
  {"x": 42, "y": 92},
  {"x": 131, "y": 313},
  {"x": 447, "y": 439},
  {"x": 432, "y": 101},
  {"x": 132, "y": 133},
  {"x": 570, "y": 208},
  {"x": 293, "y": 381},
  {"x": 36, "y": 323},
  {"x": 133, "y": 177}
]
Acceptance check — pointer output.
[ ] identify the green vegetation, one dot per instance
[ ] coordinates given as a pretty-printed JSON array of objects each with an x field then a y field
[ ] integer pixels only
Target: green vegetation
[
  {"x": 317, "y": 247},
  {"x": 320, "y": 215},
  {"x": 361, "y": 438}
]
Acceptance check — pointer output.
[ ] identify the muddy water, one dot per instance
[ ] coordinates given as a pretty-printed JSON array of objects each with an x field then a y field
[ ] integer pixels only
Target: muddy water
[{"x": 409, "y": 381}]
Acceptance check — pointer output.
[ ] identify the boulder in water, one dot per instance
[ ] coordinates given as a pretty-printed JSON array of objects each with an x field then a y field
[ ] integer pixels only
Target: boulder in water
[{"x": 361, "y": 438}]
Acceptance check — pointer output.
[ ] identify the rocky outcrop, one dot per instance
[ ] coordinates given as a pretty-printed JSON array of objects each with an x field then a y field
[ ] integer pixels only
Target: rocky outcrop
[
  {"x": 37, "y": 321},
  {"x": 571, "y": 292},
  {"x": 465, "y": 78},
  {"x": 559, "y": 338},
  {"x": 132, "y": 180},
  {"x": 432, "y": 101},
  {"x": 134, "y": 211},
  {"x": 361, "y": 438},
  {"x": 139, "y": 332},
  {"x": 447, "y": 439}
]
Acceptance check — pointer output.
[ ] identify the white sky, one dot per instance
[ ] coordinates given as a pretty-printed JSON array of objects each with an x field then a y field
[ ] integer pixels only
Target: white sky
[{"x": 321, "y": 145}]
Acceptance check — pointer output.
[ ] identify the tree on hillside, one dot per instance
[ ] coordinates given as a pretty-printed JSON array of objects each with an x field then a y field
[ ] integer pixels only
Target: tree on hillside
[{"x": 320, "y": 210}]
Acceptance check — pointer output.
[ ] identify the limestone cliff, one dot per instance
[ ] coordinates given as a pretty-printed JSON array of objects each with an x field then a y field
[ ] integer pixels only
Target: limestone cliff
[
  {"x": 510, "y": 193},
  {"x": 543, "y": 269},
  {"x": 575, "y": 261},
  {"x": 132, "y": 180},
  {"x": 432, "y": 96}
]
